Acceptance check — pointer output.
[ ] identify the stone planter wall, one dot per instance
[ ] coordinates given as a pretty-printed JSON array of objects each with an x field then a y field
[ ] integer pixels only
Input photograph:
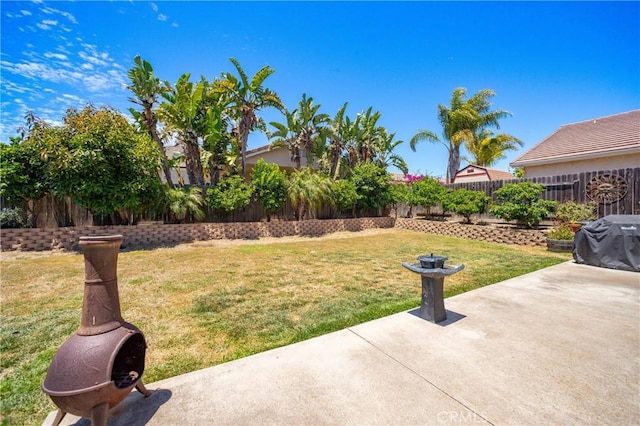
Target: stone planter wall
[
  {"x": 157, "y": 234},
  {"x": 492, "y": 233}
]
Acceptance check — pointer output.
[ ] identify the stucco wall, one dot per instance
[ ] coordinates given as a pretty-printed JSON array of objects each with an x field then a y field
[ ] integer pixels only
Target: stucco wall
[{"x": 604, "y": 163}]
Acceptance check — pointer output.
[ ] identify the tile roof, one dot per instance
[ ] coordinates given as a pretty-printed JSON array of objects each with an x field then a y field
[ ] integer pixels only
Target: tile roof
[
  {"x": 492, "y": 174},
  {"x": 605, "y": 136}
]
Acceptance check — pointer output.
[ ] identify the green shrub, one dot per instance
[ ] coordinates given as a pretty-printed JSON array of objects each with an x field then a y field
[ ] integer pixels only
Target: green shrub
[
  {"x": 522, "y": 202},
  {"x": 345, "y": 195},
  {"x": 572, "y": 212},
  {"x": 229, "y": 194},
  {"x": 465, "y": 202},
  {"x": 12, "y": 218},
  {"x": 560, "y": 232},
  {"x": 372, "y": 184},
  {"x": 426, "y": 192},
  {"x": 269, "y": 185}
]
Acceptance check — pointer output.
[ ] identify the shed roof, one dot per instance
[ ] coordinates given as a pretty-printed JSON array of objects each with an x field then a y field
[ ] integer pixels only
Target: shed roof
[
  {"x": 611, "y": 135},
  {"x": 492, "y": 174}
]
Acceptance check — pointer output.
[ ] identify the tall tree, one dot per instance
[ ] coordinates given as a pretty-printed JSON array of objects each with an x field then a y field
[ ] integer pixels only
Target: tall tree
[
  {"x": 460, "y": 121},
  {"x": 384, "y": 145},
  {"x": 301, "y": 132},
  {"x": 104, "y": 165},
  {"x": 146, "y": 88},
  {"x": 245, "y": 98},
  {"x": 361, "y": 147},
  {"x": 486, "y": 148},
  {"x": 185, "y": 114},
  {"x": 338, "y": 132}
]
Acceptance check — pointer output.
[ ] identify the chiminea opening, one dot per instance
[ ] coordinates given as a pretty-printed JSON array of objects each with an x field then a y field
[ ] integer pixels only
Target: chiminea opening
[
  {"x": 97, "y": 367},
  {"x": 129, "y": 363}
]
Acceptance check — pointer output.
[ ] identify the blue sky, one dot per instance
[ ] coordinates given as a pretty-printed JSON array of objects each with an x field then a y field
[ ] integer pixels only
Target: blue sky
[{"x": 550, "y": 63}]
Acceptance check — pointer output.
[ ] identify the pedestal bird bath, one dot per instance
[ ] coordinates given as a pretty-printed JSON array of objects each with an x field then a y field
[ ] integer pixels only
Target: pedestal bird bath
[{"x": 432, "y": 269}]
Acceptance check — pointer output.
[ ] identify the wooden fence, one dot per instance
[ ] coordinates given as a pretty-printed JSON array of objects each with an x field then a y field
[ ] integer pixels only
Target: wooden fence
[{"x": 615, "y": 191}]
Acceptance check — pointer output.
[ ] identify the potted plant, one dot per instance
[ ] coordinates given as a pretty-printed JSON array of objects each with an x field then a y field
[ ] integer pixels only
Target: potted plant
[
  {"x": 560, "y": 239},
  {"x": 574, "y": 214}
]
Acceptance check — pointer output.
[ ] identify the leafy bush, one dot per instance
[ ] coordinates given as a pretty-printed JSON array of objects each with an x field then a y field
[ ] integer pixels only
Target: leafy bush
[
  {"x": 465, "y": 202},
  {"x": 426, "y": 192},
  {"x": 345, "y": 195},
  {"x": 184, "y": 202},
  {"x": 12, "y": 218},
  {"x": 269, "y": 185},
  {"x": 572, "y": 212},
  {"x": 308, "y": 190},
  {"x": 229, "y": 194},
  {"x": 398, "y": 194},
  {"x": 372, "y": 184},
  {"x": 522, "y": 202},
  {"x": 560, "y": 232}
]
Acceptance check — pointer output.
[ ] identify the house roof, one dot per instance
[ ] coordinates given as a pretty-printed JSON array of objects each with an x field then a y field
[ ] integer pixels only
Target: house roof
[
  {"x": 259, "y": 150},
  {"x": 493, "y": 174},
  {"x": 617, "y": 134}
]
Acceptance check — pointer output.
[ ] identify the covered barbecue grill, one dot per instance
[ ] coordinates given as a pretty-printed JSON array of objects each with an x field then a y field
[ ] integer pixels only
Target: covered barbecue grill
[{"x": 610, "y": 242}]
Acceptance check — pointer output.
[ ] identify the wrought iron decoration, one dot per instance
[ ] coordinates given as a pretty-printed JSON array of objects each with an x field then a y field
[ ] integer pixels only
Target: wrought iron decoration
[{"x": 607, "y": 188}]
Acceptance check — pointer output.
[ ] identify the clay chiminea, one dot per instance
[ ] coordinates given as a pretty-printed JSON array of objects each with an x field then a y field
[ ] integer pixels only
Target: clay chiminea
[{"x": 98, "y": 366}]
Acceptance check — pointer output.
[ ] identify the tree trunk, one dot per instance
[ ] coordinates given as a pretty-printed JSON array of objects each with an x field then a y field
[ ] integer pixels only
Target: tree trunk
[
  {"x": 454, "y": 163},
  {"x": 151, "y": 123},
  {"x": 193, "y": 163}
]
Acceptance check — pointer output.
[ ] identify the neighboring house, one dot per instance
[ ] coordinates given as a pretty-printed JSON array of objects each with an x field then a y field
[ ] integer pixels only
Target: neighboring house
[
  {"x": 280, "y": 156},
  {"x": 474, "y": 173},
  {"x": 606, "y": 143}
]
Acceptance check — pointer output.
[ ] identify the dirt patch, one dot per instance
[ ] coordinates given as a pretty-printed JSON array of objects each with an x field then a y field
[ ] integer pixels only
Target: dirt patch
[{"x": 290, "y": 239}]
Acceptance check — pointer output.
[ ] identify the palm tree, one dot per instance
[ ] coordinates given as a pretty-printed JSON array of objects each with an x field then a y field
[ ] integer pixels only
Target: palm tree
[
  {"x": 308, "y": 190},
  {"x": 487, "y": 148},
  {"x": 185, "y": 201},
  {"x": 186, "y": 114},
  {"x": 384, "y": 146},
  {"x": 460, "y": 122},
  {"x": 302, "y": 131},
  {"x": 340, "y": 130},
  {"x": 245, "y": 98},
  {"x": 362, "y": 149},
  {"x": 146, "y": 87}
]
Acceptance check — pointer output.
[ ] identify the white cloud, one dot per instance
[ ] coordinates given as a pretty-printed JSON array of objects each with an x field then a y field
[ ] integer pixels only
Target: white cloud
[
  {"x": 175, "y": 25},
  {"x": 154, "y": 6},
  {"x": 52, "y": 11},
  {"x": 162, "y": 17},
  {"x": 69, "y": 97},
  {"x": 59, "y": 56},
  {"x": 97, "y": 82},
  {"x": 47, "y": 24},
  {"x": 26, "y": 12}
]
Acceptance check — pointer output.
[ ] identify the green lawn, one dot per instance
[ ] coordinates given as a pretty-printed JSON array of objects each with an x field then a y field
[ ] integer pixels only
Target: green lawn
[{"x": 204, "y": 304}]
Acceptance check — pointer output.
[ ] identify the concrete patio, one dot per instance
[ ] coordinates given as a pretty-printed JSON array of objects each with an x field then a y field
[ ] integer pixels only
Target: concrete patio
[{"x": 556, "y": 346}]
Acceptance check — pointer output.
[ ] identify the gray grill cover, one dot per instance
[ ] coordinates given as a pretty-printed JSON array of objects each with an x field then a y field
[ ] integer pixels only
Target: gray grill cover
[{"x": 610, "y": 242}]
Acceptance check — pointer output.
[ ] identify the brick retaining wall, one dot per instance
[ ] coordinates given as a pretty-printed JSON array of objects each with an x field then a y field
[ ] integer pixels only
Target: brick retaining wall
[
  {"x": 529, "y": 237},
  {"x": 154, "y": 234}
]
